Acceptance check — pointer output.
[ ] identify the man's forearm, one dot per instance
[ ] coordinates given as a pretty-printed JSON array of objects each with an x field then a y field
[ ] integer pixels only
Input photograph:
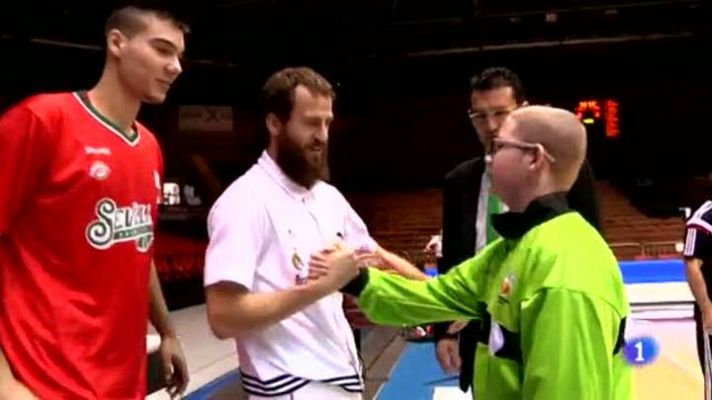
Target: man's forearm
[
  {"x": 696, "y": 280},
  {"x": 400, "y": 265},
  {"x": 394, "y": 300},
  {"x": 160, "y": 318},
  {"x": 253, "y": 311}
]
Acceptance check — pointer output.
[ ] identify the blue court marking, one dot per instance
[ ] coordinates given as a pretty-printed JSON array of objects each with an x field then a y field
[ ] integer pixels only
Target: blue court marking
[
  {"x": 206, "y": 392},
  {"x": 651, "y": 271},
  {"x": 416, "y": 375}
]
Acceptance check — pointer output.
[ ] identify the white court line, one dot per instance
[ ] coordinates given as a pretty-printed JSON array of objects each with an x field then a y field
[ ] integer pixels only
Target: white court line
[
  {"x": 666, "y": 292},
  {"x": 450, "y": 393}
]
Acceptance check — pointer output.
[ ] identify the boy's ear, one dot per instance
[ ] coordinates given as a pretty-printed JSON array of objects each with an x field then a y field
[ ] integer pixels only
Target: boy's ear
[{"x": 538, "y": 159}]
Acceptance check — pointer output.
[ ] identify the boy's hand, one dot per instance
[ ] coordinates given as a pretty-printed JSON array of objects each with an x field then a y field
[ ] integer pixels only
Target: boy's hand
[{"x": 335, "y": 267}]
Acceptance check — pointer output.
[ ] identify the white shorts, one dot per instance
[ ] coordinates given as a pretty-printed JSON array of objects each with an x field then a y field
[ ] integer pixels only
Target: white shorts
[{"x": 315, "y": 391}]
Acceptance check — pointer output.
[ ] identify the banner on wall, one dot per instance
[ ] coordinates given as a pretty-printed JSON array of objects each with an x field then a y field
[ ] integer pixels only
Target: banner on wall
[{"x": 205, "y": 118}]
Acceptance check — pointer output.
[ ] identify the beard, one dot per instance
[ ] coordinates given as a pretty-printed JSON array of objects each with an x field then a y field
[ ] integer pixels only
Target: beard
[{"x": 303, "y": 166}]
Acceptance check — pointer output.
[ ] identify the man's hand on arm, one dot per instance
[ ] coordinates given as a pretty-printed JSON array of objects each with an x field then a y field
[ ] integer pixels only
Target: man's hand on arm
[
  {"x": 338, "y": 265},
  {"x": 447, "y": 348},
  {"x": 447, "y": 351}
]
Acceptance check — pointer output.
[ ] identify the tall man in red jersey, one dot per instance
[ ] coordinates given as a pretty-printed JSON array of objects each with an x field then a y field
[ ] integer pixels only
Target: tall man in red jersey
[{"x": 80, "y": 182}]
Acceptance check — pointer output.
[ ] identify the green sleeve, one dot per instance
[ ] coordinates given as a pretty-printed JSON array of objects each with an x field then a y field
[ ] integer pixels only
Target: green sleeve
[
  {"x": 567, "y": 340},
  {"x": 390, "y": 299}
]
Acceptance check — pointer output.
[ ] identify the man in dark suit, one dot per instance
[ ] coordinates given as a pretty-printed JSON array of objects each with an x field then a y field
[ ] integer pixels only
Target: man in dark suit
[{"x": 467, "y": 205}]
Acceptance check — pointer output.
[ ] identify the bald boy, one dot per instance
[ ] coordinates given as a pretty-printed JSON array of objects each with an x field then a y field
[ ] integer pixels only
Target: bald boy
[{"x": 549, "y": 288}]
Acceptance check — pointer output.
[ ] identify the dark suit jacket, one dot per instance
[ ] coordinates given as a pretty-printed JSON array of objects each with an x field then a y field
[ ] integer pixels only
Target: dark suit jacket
[{"x": 460, "y": 197}]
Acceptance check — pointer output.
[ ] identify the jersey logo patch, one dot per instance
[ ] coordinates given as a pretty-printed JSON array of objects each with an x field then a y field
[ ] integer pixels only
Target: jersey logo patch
[
  {"x": 97, "y": 150},
  {"x": 99, "y": 170},
  {"x": 121, "y": 224},
  {"x": 507, "y": 285},
  {"x": 298, "y": 264},
  {"x": 297, "y": 261}
]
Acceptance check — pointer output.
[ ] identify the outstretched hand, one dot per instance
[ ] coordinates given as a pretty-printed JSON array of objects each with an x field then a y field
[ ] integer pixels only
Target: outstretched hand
[{"x": 336, "y": 265}]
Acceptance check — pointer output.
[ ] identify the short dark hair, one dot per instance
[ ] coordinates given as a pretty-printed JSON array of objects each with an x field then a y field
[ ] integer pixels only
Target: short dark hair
[
  {"x": 129, "y": 19},
  {"x": 278, "y": 91},
  {"x": 499, "y": 77}
]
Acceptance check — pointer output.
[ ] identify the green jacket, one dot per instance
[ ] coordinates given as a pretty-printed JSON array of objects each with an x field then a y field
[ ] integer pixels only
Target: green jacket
[{"x": 550, "y": 292}]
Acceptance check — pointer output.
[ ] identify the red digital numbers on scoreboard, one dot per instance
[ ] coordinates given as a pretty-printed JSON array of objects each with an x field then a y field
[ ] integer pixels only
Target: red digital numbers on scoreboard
[
  {"x": 588, "y": 111},
  {"x": 591, "y": 112},
  {"x": 612, "y": 128}
]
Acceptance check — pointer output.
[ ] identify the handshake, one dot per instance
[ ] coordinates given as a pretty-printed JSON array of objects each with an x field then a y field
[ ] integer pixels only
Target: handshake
[{"x": 335, "y": 266}]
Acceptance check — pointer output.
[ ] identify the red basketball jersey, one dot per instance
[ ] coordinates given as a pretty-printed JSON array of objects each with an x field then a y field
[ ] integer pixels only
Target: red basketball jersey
[{"x": 78, "y": 205}]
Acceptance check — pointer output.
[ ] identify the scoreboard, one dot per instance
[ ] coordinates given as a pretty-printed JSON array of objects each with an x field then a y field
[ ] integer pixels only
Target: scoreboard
[{"x": 604, "y": 112}]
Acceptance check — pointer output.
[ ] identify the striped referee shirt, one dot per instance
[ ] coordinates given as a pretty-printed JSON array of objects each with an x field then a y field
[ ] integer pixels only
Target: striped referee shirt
[{"x": 698, "y": 238}]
